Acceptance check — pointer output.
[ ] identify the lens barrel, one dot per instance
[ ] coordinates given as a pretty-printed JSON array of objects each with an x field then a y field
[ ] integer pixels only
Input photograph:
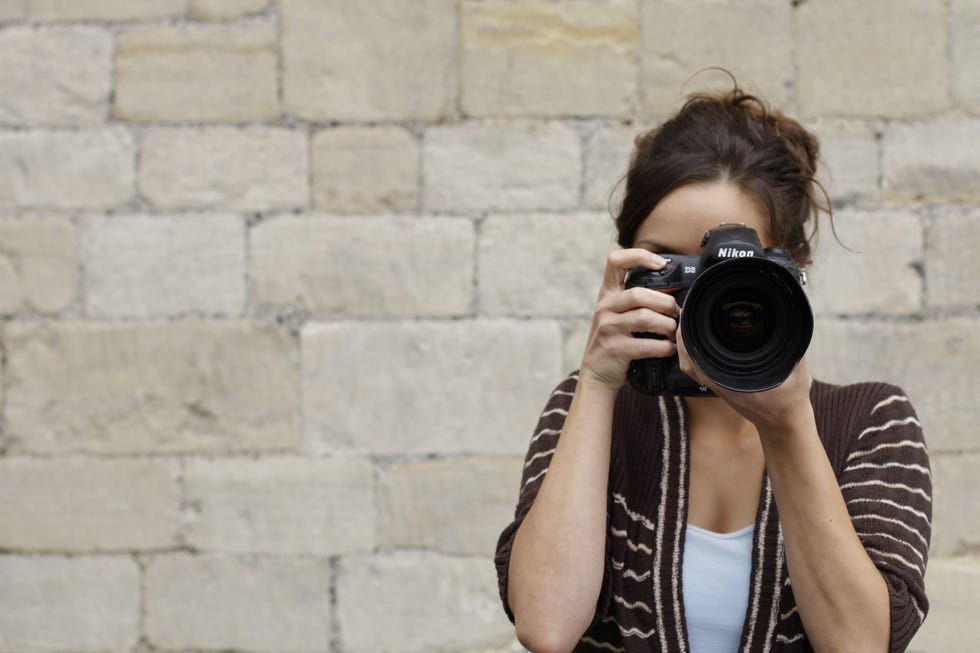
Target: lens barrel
[{"x": 747, "y": 323}]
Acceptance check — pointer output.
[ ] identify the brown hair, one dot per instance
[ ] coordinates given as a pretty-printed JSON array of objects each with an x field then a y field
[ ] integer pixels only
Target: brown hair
[{"x": 732, "y": 137}]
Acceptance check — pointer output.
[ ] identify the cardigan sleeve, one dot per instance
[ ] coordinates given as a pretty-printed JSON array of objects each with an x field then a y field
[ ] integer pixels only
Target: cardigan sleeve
[
  {"x": 887, "y": 485},
  {"x": 536, "y": 462}
]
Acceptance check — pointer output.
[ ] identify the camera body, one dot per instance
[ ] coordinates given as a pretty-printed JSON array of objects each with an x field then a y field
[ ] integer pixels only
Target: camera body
[{"x": 746, "y": 320}]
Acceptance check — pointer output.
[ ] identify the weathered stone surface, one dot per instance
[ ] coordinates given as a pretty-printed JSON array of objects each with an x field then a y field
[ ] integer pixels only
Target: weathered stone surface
[
  {"x": 851, "y": 162},
  {"x": 365, "y": 266},
  {"x": 342, "y": 60},
  {"x": 936, "y": 362},
  {"x": 365, "y": 170},
  {"x": 281, "y": 505},
  {"x": 544, "y": 264},
  {"x": 227, "y": 9},
  {"x": 38, "y": 265},
  {"x": 143, "y": 266},
  {"x": 426, "y": 603},
  {"x": 79, "y": 505},
  {"x": 55, "y": 76},
  {"x": 964, "y": 34},
  {"x": 858, "y": 59},
  {"x": 245, "y": 604},
  {"x": 952, "y": 623},
  {"x": 201, "y": 73},
  {"x": 12, "y": 10},
  {"x": 105, "y": 10},
  {"x": 84, "y": 604},
  {"x": 878, "y": 273},
  {"x": 501, "y": 167},
  {"x": 430, "y": 504},
  {"x": 251, "y": 169},
  {"x": 427, "y": 387},
  {"x": 141, "y": 387},
  {"x": 955, "y": 498},
  {"x": 952, "y": 266},
  {"x": 607, "y": 159},
  {"x": 576, "y": 338},
  {"x": 542, "y": 58},
  {"x": 91, "y": 169},
  {"x": 753, "y": 40},
  {"x": 928, "y": 162}
]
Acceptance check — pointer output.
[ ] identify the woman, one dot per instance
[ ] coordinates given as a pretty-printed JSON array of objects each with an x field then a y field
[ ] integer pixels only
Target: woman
[{"x": 794, "y": 519}]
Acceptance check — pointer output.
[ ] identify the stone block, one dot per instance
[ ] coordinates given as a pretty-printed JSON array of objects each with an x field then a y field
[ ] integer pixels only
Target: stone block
[
  {"x": 964, "y": 35},
  {"x": 953, "y": 585},
  {"x": 227, "y": 9},
  {"x": 105, "y": 10},
  {"x": 501, "y": 167},
  {"x": 364, "y": 266},
  {"x": 280, "y": 506},
  {"x": 388, "y": 388},
  {"x": 430, "y": 504},
  {"x": 249, "y": 169},
  {"x": 79, "y": 505},
  {"x": 544, "y": 264},
  {"x": 541, "y": 58},
  {"x": 89, "y": 169},
  {"x": 197, "y": 73},
  {"x": 55, "y": 76},
  {"x": 84, "y": 604},
  {"x": 343, "y": 61},
  {"x": 936, "y": 362},
  {"x": 956, "y": 495},
  {"x": 245, "y": 604},
  {"x": 147, "y": 266},
  {"x": 576, "y": 339},
  {"x": 859, "y": 59},
  {"x": 932, "y": 161},
  {"x": 150, "y": 387},
  {"x": 426, "y": 604},
  {"x": 38, "y": 265},
  {"x": 873, "y": 269},
  {"x": 681, "y": 39},
  {"x": 365, "y": 170},
  {"x": 607, "y": 159},
  {"x": 952, "y": 266},
  {"x": 851, "y": 162},
  {"x": 12, "y": 10}
]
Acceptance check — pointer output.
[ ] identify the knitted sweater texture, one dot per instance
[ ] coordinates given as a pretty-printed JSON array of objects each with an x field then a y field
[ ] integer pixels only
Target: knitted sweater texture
[{"x": 874, "y": 443}]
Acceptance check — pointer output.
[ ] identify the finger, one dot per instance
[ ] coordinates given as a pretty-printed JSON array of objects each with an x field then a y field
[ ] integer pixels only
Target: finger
[
  {"x": 621, "y": 261},
  {"x": 632, "y": 298}
]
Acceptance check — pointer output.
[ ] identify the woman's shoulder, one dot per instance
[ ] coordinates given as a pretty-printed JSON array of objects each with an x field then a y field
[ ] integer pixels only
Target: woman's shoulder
[{"x": 861, "y": 398}]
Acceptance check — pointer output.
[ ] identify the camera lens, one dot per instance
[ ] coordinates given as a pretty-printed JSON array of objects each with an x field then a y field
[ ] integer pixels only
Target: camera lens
[{"x": 747, "y": 323}]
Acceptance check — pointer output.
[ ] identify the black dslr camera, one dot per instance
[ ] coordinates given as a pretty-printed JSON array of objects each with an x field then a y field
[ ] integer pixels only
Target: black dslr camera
[{"x": 746, "y": 321}]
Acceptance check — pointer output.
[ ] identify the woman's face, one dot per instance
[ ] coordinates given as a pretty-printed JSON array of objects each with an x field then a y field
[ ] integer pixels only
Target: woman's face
[{"x": 678, "y": 223}]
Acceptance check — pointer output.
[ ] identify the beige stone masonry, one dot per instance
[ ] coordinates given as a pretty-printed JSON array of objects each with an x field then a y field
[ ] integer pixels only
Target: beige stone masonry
[
  {"x": 279, "y": 505},
  {"x": 55, "y": 76},
  {"x": 607, "y": 157},
  {"x": 88, "y": 169},
  {"x": 227, "y": 9},
  {"x": 151, "y": 266},
  {"x": 365, "y": 170},
  {"x": 952, "y": 624},
  {"x": 84, "y": 505},
  {"x": 115, "y": 388},
  {"x": 449, "y": 506},
  {"x": 427, "y": 387},
  {"x": 345, "y": 60},
  {"x": 39, "y": 265},
  {"x": 105, "y": 10},
  {"x": 425, "y": 603},
  {"x": 504, "y": 167},
  {"x": 248, "y": 169},
  {"x": 956, "y": 496},
  {"x": 247, "y": 604},
  {"x": 927, "y": 162},
  {"x": 517, "y": 55},
  {"x": 851, "y": 167},
  {"x": 365, "y": 266},
  {"x": 964, "y": 27},
  {"x": 54, "y": 603},
  {"x": 201, "y": 73},
  {"x": 877, "y": 58},
  {"x": 951, "y": 263},
  {"x": 12, "y": 10}
]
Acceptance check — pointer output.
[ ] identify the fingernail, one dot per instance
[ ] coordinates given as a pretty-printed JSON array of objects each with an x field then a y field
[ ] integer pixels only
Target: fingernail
[{"x": 658, "y": 259}]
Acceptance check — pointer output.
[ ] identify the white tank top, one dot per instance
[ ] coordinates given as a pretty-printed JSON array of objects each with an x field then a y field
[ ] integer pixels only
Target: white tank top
[{"x": 716, "y": 572}]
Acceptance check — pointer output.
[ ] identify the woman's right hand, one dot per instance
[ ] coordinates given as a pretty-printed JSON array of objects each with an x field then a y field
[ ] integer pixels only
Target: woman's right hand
[{"x": 620, "y": 313}]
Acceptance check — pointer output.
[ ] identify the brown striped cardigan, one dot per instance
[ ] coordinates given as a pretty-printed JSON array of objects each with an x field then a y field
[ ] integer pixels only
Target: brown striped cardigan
[{"x": 873, "y": 441}]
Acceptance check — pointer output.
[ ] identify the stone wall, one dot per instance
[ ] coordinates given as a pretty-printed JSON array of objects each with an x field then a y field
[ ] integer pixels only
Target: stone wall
[{"x": 283, "y": 286}]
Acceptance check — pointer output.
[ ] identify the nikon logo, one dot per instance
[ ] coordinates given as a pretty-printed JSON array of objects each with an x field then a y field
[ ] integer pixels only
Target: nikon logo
[{"x": 731, "y": 252}]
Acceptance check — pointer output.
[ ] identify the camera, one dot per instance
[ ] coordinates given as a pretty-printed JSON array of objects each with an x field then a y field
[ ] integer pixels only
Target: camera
[{"x": 746, "y": 320}]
